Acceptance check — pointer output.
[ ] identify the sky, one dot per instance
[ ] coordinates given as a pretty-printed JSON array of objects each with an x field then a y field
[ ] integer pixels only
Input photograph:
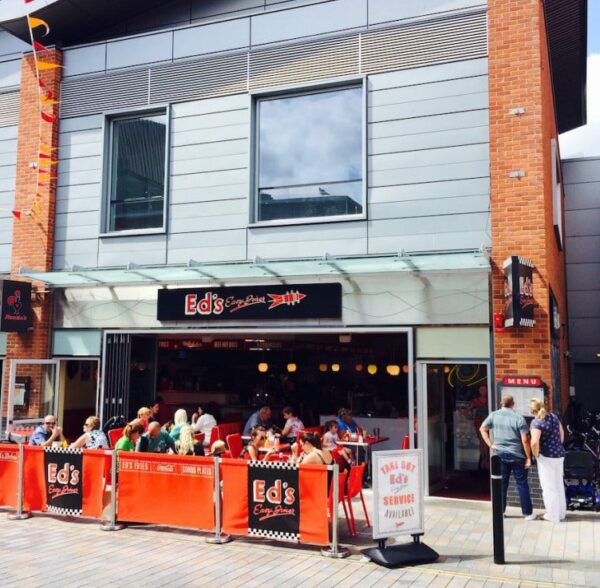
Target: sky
[{"x": 585, "y": 141}]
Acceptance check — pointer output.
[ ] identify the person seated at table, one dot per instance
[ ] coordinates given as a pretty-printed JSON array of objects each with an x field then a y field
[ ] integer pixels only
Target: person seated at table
[
  {"x": 312, "y": 451},
  {"x": 330, "y": 440},
  {"x": 258, "y": 436},
  {"x": 168, "y": 426},
  {"x": 144, "y": 414},
  {"x": 260, "y": 418},
  {"x": 293, "y": 425},
  {"x": 160, "y": 411},
  {"x": 155, "y": 440},
  {"x": 180, "y": 419},
  {"x": 131, "y": 434},
  {"x": 203, "y": 422},
  {"x": 93, "y": 437},
  {"x": 47, "y": 433},
  {"x": 346, "y": 424},
  {"x": 187, "y": 445}
]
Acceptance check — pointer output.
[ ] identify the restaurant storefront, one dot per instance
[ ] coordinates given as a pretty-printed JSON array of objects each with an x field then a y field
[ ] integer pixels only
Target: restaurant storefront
[{"x": 403, "y": 341}]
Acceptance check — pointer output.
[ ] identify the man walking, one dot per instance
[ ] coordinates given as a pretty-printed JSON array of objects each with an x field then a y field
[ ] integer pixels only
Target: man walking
[{"x": 511, "y": 444}]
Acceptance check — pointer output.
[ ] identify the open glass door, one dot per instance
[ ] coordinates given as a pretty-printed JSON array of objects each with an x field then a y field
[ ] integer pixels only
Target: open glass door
[{"x": 32, "y": 392}]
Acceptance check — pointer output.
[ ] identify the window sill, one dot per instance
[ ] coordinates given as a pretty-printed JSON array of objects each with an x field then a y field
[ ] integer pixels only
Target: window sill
[
  {"x": 319, "y": 220},
  {"x": 133, "y": 233}
]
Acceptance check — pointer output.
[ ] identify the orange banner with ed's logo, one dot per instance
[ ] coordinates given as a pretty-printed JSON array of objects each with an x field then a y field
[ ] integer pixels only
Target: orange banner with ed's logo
[
  {"x": 9, "y": 472},
  {"x": 166, "y": 490}
]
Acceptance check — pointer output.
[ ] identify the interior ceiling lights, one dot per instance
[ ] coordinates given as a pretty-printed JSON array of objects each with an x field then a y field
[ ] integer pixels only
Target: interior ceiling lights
[
  {"x": 291, "y": 367},
  {"x": 335, "y": 367},
  {"x": 405, "y": 369},
  {"x": 372, "y": 369},
  {"x": 263, "y": 367},
  {"x": 359, "y": 367},
  {"x": 322, "y": 367},
  {"x": 393, "y": 369}
]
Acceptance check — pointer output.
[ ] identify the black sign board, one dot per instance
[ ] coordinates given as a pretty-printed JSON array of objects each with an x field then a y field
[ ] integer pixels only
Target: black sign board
[
  {"x": 273, "y": 500},
  {"x": 64, "y": 480},
  {"x": 15, "y": 304},
  {"x": 518, "y": 292},
  {"x": 291, "y": 301}
]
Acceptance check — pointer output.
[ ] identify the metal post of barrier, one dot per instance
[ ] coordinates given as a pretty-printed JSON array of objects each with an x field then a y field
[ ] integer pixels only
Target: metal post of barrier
[
  {"x": 111, "y": 524},
  {"x": 334, "y": 550},
  {"x": 219, "y": 537},
  {"x": 497, "y": 509},
  {"x": 20, "y": 515}
]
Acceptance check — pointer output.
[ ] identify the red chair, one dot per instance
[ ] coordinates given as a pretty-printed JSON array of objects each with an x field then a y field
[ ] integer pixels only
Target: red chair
[
  {"x": 114, "y": 435},
  {"x": 341, "y": 491},
  {"x": 214, "y": 436},
  {"x": 355, "y": 483},
  {"x": 199, "y": 437},
  {"x": 234, "y": 442},
  {"x": 406, "y": 442}
]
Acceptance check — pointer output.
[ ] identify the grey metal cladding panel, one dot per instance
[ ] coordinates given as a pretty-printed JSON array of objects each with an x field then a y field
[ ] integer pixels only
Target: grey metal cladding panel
[
  {"x": 384, "y": 11},
  {"x": 138, "y": 50},
  {"x": 207, "y": 246},
  {"x": 583, "y": 276},
  {"x": 584, "y": 304},
  {"x": 584, "y": 332},
  {"x": 5, "y": 257},
  {"x": 583, "y": 223},
  {"x": 317, "y": 19},
  {"x": 9, "y": 108},
  {"x": 580, "y": 171},
  {"x": 430, "y": 190},
  {"x": 304, "y": 62},
  {"x": 583, "y": 249},
  {"x": 6, "y": 229},
  {"x": 218, "y": 76},
  {"x": 82, "y": 60},
  {"x": 431, "y": 207},
  {"x": 10, "y": 73},
  {"x": 142, "y": 249},
  {"x": 440, "y": 41},
  {"x": 456, "y": 223},
  {"x": 222, "y": 36},
  {"x": 89, "y": 95},
  {"x": 201, "y": 9},
  {"x": 582, "y": 196},
  {"x": 82, "y": 252}
]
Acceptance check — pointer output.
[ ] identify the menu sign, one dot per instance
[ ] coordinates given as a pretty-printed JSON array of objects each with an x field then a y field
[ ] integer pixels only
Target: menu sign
[
  {"x": 289, "y": 301},
  {"x": 398, "y": 493}
]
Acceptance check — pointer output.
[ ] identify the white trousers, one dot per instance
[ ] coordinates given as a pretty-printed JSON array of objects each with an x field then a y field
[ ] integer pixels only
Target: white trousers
[{"x": 550, "y": 471}]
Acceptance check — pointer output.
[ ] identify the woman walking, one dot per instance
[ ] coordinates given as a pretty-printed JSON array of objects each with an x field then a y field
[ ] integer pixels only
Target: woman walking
[{"x": 547, "y": 437}]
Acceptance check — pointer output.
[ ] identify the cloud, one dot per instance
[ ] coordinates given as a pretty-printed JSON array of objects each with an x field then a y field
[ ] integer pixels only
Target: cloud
[{"x": 585, "y": 141}]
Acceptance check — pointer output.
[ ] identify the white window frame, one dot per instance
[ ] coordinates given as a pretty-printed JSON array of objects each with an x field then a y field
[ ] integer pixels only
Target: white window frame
[
  {"x": 557, "y": 199},
  {"x": 299, "y": 90},
  {"x": 109, "y": 118}
]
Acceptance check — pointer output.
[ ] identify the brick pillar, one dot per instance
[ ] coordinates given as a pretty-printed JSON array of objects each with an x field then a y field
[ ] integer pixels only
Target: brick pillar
[
  {"x": 33, "y": 238},
  {"x": 522, "y": 224}
]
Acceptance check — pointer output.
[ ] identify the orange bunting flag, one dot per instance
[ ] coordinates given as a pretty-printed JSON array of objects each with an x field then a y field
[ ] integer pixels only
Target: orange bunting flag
[
  {"x": 47, "y": 148},
  {"x": 17, "y": 214},
  {"x": 48, "y": 117},
  {"x": 46, "y": 65},
  {"x": 38, "y": 22},
  {"x": 36, "y": 207}
]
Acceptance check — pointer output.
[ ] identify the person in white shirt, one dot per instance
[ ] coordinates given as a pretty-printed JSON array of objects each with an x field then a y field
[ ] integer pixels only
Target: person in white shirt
[
  {"x": 203, "y": 422},
  {"x": 293, "y": 425}
]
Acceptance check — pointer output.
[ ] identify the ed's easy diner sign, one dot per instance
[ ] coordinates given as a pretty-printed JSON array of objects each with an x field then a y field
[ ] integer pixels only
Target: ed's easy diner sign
[{"x": 283, "y": 301}]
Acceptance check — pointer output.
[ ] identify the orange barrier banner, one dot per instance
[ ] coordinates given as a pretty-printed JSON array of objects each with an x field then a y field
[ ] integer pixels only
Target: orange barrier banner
[
  {"x": 166, "y": 490},
  {"x": 9, "y": 473},
  {"x": 52, "y": 474},
  {"x": 276, "y": 500}
]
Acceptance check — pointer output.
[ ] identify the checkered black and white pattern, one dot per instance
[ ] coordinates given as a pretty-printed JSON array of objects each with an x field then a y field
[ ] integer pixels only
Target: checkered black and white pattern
[
  {"x": 63, "y": 450},
  {"x": 279, "y": 535},
  {"x": 273, "y": 465},
  {"x": 67, "y": 512}
]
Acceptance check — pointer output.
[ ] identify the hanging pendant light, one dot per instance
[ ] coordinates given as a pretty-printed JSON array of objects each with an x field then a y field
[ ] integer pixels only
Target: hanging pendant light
[
  {"x": 335, "y": 367},
  {"x": 405, "y": 369},
  {"x": 322, "y": 367},
  {"x": 372, "y": 369},
  {"x": 291, "y": 367},
  {"x": 263, "y": 367},
  {"x": 393, "y": 369},
  {"x": 359, "y": 367}
]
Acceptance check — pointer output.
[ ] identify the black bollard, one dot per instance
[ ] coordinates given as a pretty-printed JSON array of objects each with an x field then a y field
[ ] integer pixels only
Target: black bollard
[{"x": 497, "y": 509}]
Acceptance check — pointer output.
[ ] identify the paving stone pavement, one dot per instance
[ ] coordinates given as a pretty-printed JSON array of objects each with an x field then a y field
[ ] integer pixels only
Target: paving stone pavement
[{"x": 51, "y": 552}]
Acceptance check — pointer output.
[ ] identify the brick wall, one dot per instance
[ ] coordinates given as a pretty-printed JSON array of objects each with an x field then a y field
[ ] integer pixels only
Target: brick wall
[
  {"x": 521, "y": 209},
  {"x": 33, "y": 239}
]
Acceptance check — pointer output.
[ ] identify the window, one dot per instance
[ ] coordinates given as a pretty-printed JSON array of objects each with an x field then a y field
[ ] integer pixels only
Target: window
[
  {"x": 136, "y": 179},
  {"x": 310, "y": 155}
]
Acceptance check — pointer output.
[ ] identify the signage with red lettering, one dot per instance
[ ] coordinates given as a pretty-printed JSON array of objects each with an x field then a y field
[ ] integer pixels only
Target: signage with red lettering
[
  {"x": 64, "y": 480},
  {"x": 273, "y": 500},
  {"x": 398, "y": 493},
  {"x": 533, "y": 381}
]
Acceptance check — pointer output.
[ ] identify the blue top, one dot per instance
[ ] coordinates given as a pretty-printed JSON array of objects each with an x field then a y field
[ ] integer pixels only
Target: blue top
[
  {"x": 507, "y": 425},
  {"x": 255, "y": 421},
  {"x": 159, "y": 444},
  {"x": 40, "y": 435},
  {"x": 352, "y": 426},
  {"x": 550, "y": 444}
]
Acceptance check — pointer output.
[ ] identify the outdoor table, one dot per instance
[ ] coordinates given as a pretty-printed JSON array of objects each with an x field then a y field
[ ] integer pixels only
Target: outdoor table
[
  {"x": 282, "y": 447},
  {"x": 366, "y": 445}
]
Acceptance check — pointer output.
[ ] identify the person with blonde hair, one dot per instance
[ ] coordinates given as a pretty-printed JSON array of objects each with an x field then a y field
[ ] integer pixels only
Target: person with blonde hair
[
  {"x": 187, "y": 445},
  {"x": 180, "y": 420},
  {"x": 93, "y": 437},
  {"x": 144, "y": 414},
  {"x": 547, "y": 436}
]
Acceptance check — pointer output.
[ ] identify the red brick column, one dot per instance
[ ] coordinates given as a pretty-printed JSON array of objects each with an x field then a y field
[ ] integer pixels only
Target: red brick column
[
  {"x": 33, "y": 237},
  {"x": 522, "y": 224}
]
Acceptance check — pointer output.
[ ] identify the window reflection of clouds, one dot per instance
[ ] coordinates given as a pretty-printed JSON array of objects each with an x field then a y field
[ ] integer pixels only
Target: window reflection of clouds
[{"x": 310, "y": 139}]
